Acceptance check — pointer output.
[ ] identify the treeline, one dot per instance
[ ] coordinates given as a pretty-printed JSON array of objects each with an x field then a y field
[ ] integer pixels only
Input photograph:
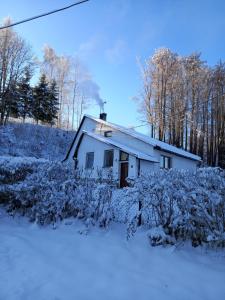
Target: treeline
[
  {"x": 62, "y": 77},
  {"x": 184, "y": 101},
  {"x": 18, "y": 98},
  {"x": 39, "y": 102}
]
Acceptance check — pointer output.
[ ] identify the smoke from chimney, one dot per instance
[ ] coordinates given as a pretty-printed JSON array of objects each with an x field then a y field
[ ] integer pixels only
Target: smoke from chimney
[{"x": 91, "y": 90}]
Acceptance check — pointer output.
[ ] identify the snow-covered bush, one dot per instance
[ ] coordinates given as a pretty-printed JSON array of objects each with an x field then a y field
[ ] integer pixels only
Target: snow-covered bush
[
  {"x": 172, "y": 205},
  {"x": 157, "y": 236},
  {"x": 50, "y": 191},
  {"x": 187, "y": 205},
  {"x": 16, "y": 169}
]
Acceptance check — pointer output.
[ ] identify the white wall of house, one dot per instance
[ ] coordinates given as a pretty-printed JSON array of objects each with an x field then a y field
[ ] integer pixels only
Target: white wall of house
[
  {"x": 183, "y": 163},
  {"x": 132, "y": 170},
  {"x": 90, "y": 144},
  {"x": 88, "y": 125},
  {"x": 177, "y": 162},
  {"x": 147, "y": 167}
]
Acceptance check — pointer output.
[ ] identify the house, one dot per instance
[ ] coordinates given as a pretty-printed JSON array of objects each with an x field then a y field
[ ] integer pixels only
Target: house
[{"x": 101, "y": 145}]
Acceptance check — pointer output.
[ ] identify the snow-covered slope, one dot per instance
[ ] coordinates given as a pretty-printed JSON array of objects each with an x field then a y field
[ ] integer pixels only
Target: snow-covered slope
[
  {"x": 46, "y": 264},
  {"x": 34, "y": 140}
]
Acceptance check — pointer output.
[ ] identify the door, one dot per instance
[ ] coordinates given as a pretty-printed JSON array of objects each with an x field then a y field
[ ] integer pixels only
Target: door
[{"x": 123, "y": 174}]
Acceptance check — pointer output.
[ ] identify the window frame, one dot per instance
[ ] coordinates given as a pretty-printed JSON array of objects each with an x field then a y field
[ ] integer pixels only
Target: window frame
[
  {"x": 124, "y": 160},
  {"x": 165, "y": 158},
  {"x": 86, "y": 162},
  {"x": 105, "y": 153}
]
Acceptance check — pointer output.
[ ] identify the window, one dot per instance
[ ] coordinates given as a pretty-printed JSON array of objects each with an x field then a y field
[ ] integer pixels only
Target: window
[
  {"x": 108, "y": 158},
  {"x": 108, "y": 133},
  {"x": 89, "y": 160},
  {"x": 165, "y": 162},
  {"x": 124, "y": 156}
]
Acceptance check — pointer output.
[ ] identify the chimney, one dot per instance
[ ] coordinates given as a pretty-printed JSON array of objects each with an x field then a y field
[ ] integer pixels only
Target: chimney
[{"x": 103, "y": 116}]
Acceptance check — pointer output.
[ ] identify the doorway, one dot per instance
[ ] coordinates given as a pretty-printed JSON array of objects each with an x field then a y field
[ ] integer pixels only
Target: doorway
[{"x": 123, "y": 174}]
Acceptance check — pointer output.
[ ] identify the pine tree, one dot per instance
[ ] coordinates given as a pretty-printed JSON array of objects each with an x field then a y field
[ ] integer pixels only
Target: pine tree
[
  {"x": 41, "y": 98},
  {"x": 52, "y": 105},
  {"x": 12, "y": 106},
  {"x": 25, "y": 96}
]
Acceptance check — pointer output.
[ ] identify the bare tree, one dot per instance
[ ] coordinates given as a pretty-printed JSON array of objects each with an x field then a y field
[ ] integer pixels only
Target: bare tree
[
  {"x": 15, "y": 57},
  {"x": 58, "y": 68},
  {"x": 77, "y": 90},
  {"x": 49, "y": 64},
  {"x": 80, "y": 96},
  {"x": 184, "y": 100}
]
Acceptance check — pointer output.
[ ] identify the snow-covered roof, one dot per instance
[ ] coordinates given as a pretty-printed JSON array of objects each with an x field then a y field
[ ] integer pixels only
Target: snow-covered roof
[
  {"x": 146, "y": 139},
  {"x": 122, "y": 147}
]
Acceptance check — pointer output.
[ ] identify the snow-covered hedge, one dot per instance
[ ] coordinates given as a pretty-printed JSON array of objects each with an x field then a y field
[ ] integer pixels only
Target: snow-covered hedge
[
  {"x": 186, "y": 205},
  {"x": 172, "y": 205},
  {"x": 47, "y": 192}
]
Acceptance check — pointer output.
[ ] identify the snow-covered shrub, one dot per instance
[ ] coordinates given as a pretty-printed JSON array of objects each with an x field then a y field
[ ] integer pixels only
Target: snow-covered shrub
[
  {"x": 101, "y": 204},
  {"x": 187, "y": 205},
  {"x": 12, "y": 171},
  {"x": 173, "y": 205},
  {"x": 124, "y": 204},
  {"x": 51, "y": 191},
  {"x": 205, "y": 207},
  {"x": 157, "y": 236},
  {"x": 16, "y": 169}
]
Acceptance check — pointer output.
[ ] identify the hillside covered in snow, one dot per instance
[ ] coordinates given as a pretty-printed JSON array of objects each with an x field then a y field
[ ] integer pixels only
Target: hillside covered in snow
[{"x": 37, "y": 141}]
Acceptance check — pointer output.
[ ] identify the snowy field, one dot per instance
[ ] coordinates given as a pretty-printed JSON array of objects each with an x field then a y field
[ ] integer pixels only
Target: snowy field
[{"x": 46, "y": 264}]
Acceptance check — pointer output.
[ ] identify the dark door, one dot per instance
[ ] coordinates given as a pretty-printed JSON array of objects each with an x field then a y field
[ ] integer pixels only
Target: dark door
[{"x": 123, "y": 174}]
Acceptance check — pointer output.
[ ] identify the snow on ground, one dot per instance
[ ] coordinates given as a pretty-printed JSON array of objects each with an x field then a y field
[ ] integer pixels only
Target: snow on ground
[
  {"x": 46, "y": 264},
  {"x": 39, "y": 141}
]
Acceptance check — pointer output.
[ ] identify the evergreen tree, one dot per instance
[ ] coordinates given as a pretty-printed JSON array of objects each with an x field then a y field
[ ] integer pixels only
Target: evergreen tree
[
  {"x": 12, "y": 106},
  {"x": 25, "y": 96},
  {"x": 40, "y": 101},
  {"x": 52, "y": 105}
]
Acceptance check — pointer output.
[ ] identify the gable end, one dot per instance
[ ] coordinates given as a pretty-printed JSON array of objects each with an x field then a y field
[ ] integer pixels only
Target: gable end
[{"x": 71, "y": 146}]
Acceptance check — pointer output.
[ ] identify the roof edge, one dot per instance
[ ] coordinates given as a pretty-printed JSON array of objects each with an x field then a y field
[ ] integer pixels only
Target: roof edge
[
  {"x": 76, "y": 134},
  {"x": 121, "y": 147},
  {"x": 125, "y": 131}
]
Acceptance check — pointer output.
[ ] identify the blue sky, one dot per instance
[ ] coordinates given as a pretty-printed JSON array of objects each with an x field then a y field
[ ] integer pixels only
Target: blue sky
[{"x": 109, "y": 35}]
